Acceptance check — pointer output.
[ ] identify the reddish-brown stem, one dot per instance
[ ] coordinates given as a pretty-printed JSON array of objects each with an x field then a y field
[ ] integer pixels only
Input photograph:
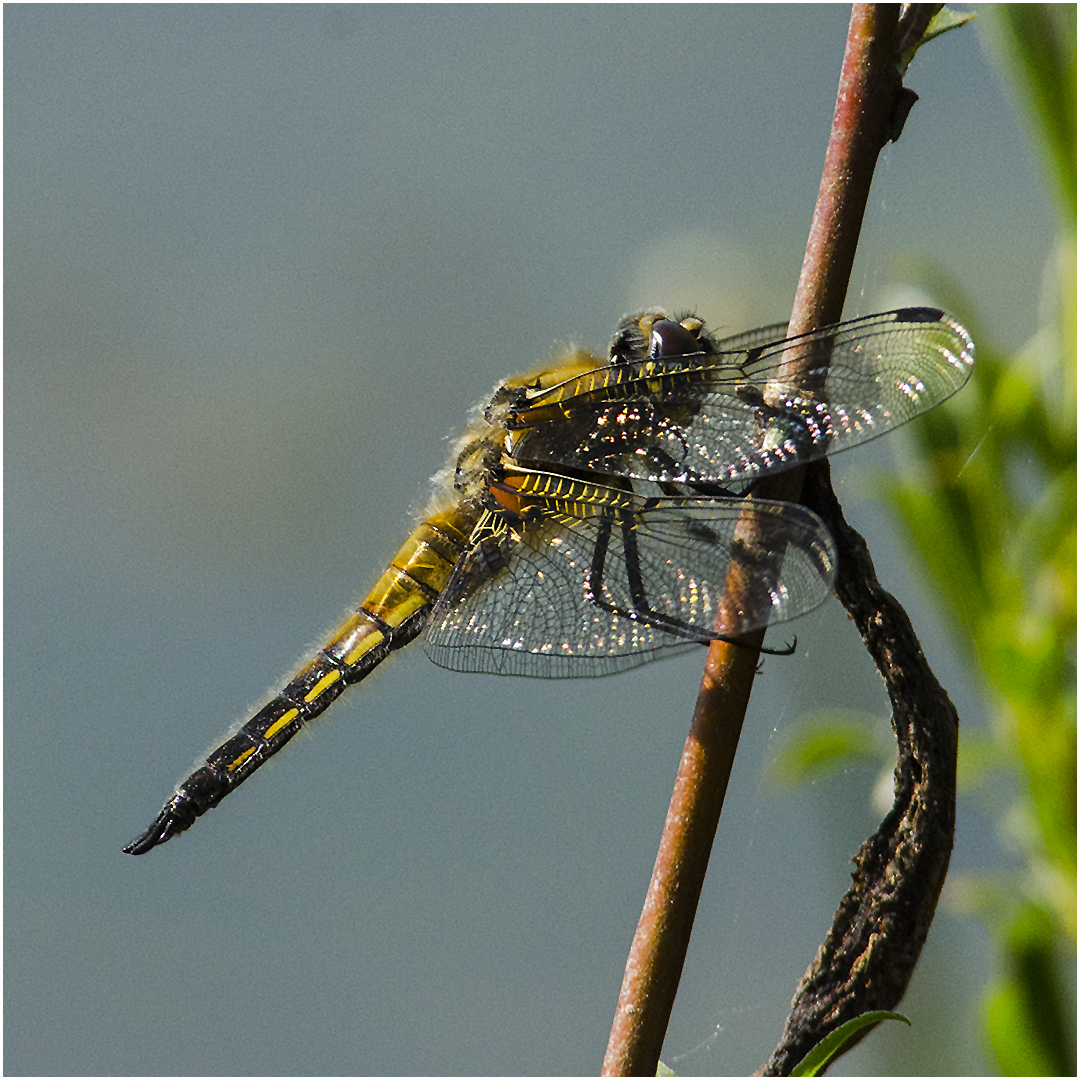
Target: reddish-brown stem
[
  {"x": 866, "y": 102},
  {"x": 655, "y": 962},
  {"x": 863, "y": 119}
]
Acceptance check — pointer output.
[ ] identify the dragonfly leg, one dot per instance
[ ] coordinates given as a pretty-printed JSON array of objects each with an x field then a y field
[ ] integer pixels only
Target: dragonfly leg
[{"x": 640, "y": 609}]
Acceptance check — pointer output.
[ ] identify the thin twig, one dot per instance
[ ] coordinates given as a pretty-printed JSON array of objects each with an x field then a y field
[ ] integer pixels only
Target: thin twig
[{"x": 863, "y": 121}]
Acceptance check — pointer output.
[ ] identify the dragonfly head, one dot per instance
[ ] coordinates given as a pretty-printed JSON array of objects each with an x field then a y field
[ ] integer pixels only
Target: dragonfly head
[{"x": 654, "y": 335}]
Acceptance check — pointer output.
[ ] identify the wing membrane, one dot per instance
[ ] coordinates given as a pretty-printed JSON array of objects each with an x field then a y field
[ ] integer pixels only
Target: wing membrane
[
  {"x": 731, "y": 416},
  {"x": 590, "y": 593}
]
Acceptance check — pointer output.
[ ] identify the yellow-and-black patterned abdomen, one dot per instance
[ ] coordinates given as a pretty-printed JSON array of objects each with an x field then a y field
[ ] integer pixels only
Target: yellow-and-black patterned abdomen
[{"x": 392, "y": 614}]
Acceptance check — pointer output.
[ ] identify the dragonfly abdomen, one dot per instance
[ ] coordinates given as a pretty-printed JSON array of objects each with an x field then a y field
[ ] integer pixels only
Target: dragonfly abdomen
[{"x": 392, "y": 614}]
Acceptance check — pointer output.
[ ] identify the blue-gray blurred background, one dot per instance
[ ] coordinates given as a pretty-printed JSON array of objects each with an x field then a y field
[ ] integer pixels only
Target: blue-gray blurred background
[{"x": 260, "y": 262}]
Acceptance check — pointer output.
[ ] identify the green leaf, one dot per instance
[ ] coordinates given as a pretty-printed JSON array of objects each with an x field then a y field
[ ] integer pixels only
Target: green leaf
[
  {"x": 943, "y": 21},
  {"x": 834, "y": 1044}
]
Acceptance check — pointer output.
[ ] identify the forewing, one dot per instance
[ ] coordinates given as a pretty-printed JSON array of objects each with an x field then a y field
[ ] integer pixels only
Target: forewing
[
  {"x": 732, "y": 416},
  {"x": 752, "y": 339},
  {"x": 565, "y": 595}
]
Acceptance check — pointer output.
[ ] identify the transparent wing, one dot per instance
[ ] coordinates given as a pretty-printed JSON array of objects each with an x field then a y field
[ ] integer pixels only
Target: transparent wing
[
  {"x": 752, "y": 339},
  {"x": 569, "y": 595},
  {"x": 731, "y": 416}
]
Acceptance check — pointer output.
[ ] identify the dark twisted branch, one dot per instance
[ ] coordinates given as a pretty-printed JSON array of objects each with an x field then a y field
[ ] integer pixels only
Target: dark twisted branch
[{"x": 868, "y": 958}]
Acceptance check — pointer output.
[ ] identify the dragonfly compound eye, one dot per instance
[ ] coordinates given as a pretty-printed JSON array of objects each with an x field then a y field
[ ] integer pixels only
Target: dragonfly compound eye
[{"x": 669, "y": 338}]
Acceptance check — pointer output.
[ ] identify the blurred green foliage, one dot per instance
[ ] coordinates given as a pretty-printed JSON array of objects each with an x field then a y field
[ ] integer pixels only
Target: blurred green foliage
[
  {"x": 996, "y": 491},
  {"x": 1036, "y": 44},
  {"x": 822, "y": 743},
  {"x": 999, "y": 494}
]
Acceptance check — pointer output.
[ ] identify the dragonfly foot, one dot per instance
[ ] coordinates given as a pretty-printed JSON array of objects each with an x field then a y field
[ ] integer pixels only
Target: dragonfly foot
[{"x": 787, "y": 650}]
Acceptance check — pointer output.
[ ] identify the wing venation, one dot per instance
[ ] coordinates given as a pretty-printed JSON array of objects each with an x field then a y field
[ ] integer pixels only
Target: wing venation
[
  {"x": 595, "y": 593},
  {"x": 730, "y": 416}
]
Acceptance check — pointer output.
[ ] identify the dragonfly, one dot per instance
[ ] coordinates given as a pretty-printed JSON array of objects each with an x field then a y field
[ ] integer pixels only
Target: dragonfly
[{"x": 593, "y": 514}]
